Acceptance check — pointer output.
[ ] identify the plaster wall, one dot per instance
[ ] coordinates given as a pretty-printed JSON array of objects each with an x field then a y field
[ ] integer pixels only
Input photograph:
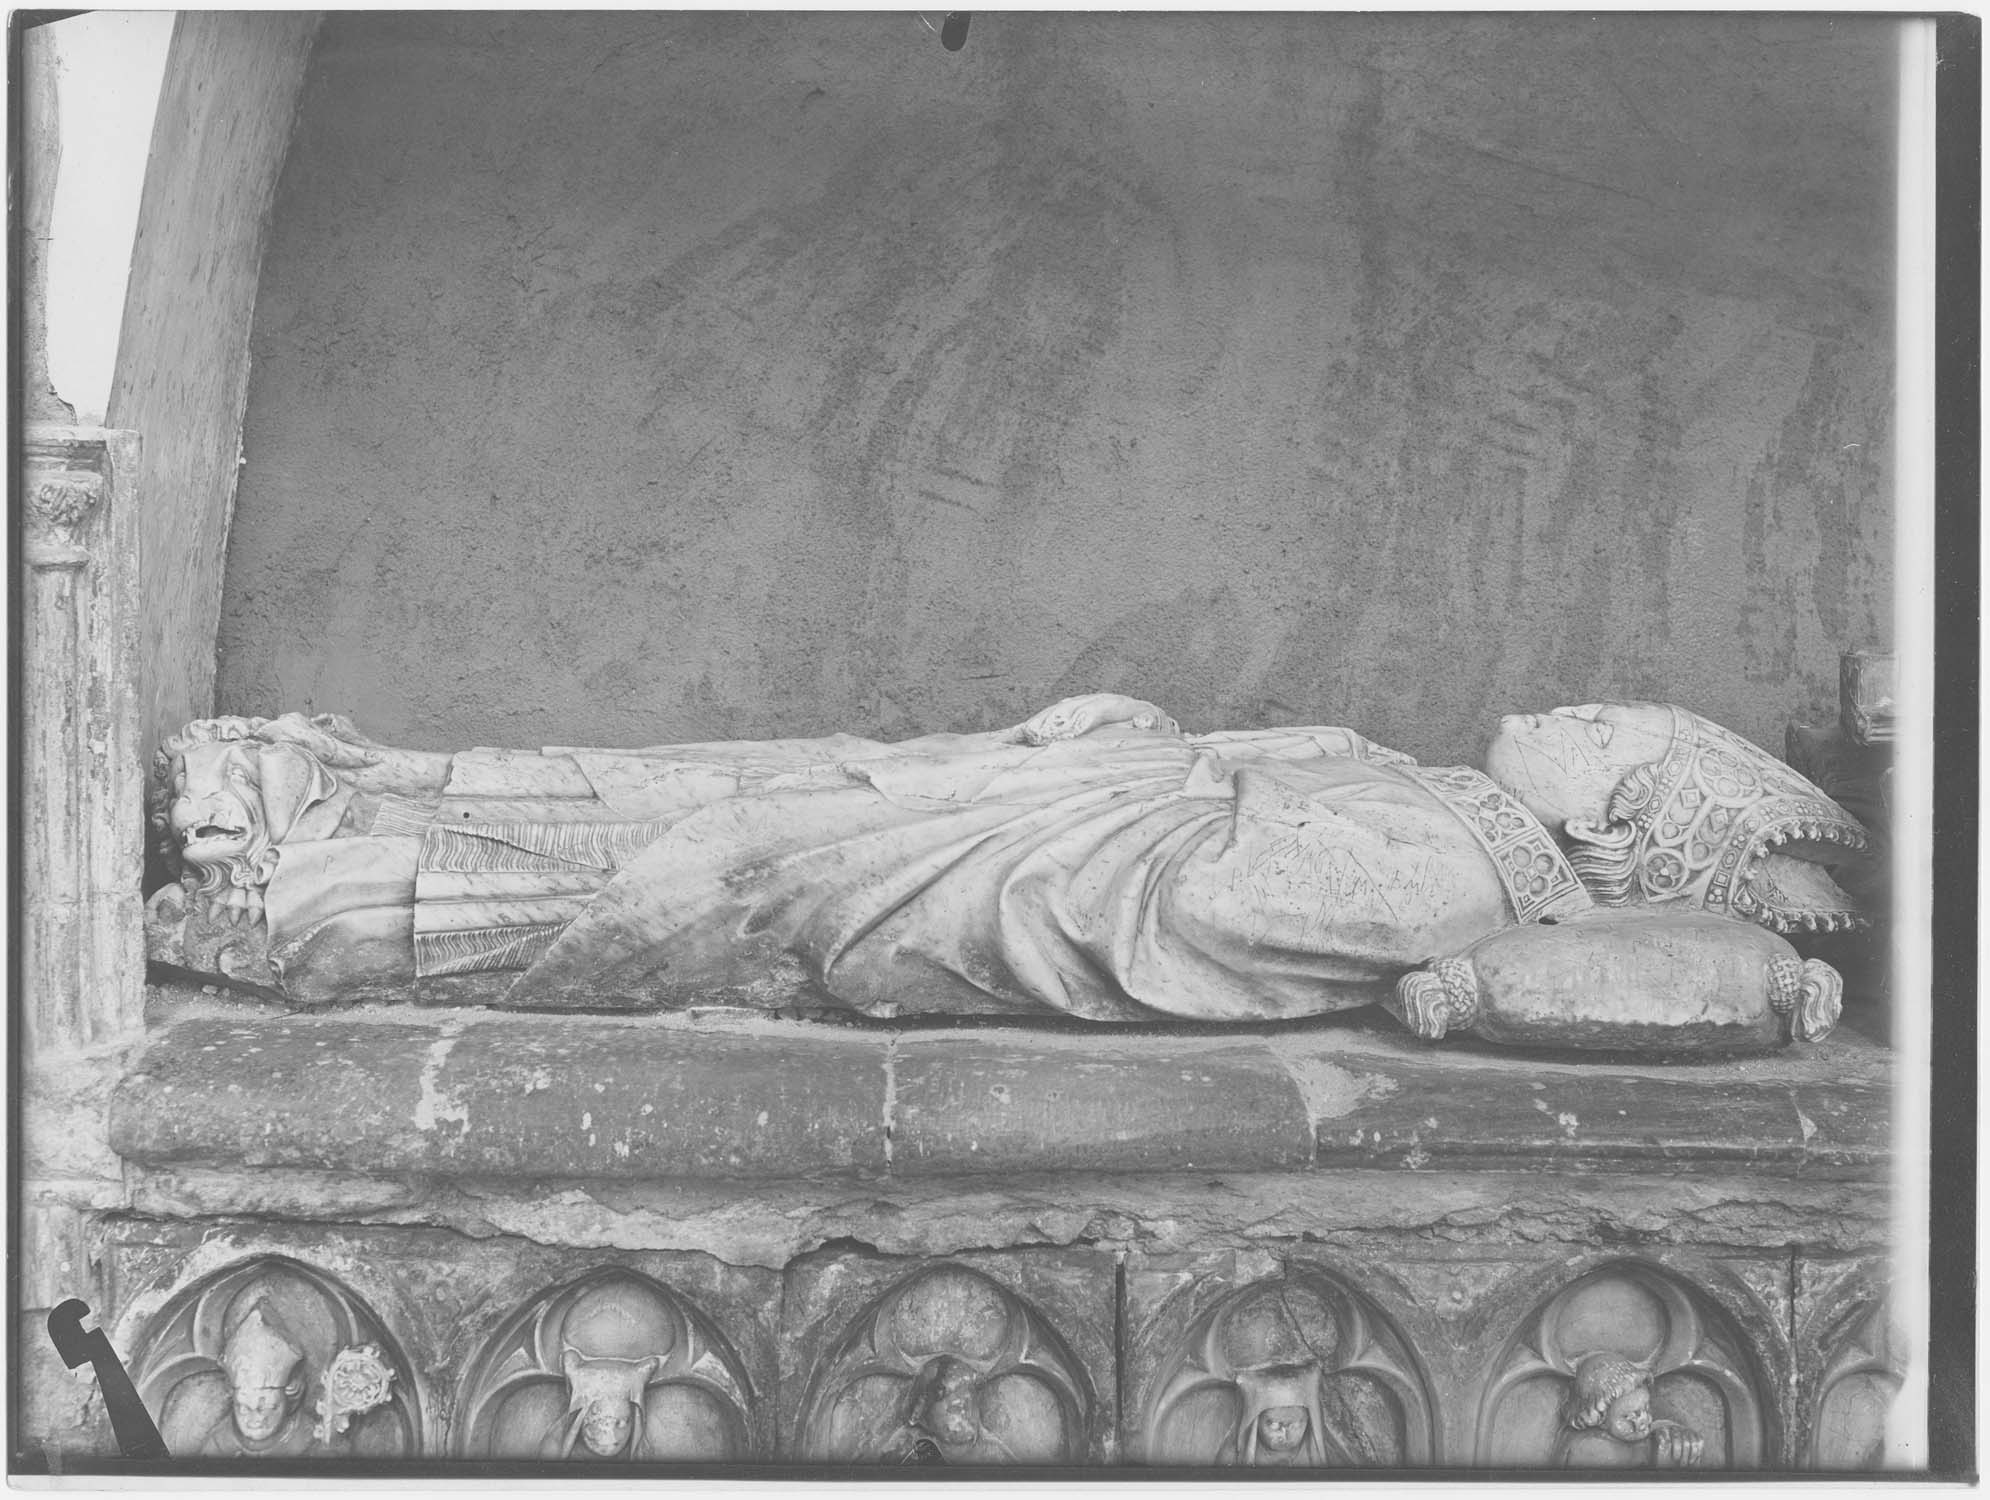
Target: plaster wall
[{"x": 637, "y": 378}]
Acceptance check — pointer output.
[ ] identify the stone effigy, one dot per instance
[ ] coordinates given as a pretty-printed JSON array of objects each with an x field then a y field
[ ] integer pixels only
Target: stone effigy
[{"x": 1093, "y": 861}]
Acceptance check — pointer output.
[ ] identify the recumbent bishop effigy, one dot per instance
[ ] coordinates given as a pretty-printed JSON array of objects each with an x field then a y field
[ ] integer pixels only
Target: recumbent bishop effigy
[{"x": 1618, "y": 874}]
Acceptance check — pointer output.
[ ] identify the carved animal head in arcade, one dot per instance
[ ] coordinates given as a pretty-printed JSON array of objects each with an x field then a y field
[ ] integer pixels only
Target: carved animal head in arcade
[
  {"x": 607, "y": 1401},
  {"x": 615, "y": 1344},
  {"x": 1660, "y": 805},
  {"x": 227, "y": 792}
]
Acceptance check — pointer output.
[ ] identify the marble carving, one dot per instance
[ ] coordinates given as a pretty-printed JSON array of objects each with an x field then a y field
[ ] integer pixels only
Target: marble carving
[
  {"x": 274, "y": 1360},
  {"x": 948, "y": 1368},
  {"x": 1667, "y": 1364},
  {"x": 1625, "y": 1368},
  {"x": 612, "y": 1366},
  {"x": 1093, "y": 860},
  {"x": 1291, "y": 1373}
]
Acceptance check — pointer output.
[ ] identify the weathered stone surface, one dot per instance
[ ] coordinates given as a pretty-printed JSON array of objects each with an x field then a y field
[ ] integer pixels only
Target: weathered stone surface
[
  {"x": 1657, "y": 1360},
  {"x": 611, "y": 1365},
  {"x": 446, "y": 1299},
  {"x": 61, "y": 1416},
  {"x": 226, "y": 105},
  {"x": 1168, "y": 1212},
  {"x": 82, "y": 792},
  {"x": 272, "y": 1358},
  {"x": 1295, "y": 1366},
  {"x": 513, "y": 1096},
  {"x": 62, "y": 1121},
  {"x": 1635, "y": 980},
  {"x": 1457, "y": 1351},
  {"x": 977, "y": 1103},
  {"x": 56, "y": 1257},
  {"x": 1850, "y": 1362},
  {"x": 1822, "y": 1111},
  {"x": 1454, "y": 1334},
  {"x": 489, "y": 1098}
]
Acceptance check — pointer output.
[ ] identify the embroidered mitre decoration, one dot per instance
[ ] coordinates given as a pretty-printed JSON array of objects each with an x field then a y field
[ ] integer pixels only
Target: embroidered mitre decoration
[{"x": 1723, "y": 825}]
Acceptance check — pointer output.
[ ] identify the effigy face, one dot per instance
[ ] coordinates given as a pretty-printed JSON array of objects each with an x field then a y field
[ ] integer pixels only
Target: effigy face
[
  {"x": 1566, "y": 763},
  {"x": 1286, "y": 872}
]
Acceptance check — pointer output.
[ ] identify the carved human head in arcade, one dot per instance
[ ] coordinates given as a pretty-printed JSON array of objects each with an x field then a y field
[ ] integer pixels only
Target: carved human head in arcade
[
  {"x": 265, "y": 1369},
  {"x": 1659, "y": 805},
  {"x": 1611, "y": 1394},
  {"x": 1281, "y": 1405},
  {"x": 1278, "y": 1346},
  {"x": 944, "y": 1402}
]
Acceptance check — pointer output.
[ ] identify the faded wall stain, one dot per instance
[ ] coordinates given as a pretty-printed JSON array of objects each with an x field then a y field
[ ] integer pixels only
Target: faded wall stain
[{"x": 633, "y": 378}]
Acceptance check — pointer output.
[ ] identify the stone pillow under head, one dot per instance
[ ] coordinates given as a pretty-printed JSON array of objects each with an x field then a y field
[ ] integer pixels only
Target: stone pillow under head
[{"x": 1626, "y": 980}]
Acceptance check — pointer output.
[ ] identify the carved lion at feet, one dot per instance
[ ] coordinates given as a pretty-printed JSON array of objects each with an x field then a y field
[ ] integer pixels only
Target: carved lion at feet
[{"x": 230, "y": 790}]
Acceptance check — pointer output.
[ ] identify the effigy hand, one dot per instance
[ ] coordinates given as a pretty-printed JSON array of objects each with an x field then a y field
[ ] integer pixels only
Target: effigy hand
[{"x": 1069, "y": 718}]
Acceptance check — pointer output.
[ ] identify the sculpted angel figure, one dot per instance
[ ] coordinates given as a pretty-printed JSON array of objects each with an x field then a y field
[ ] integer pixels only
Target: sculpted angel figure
[{"x": 1093, "y": 860}]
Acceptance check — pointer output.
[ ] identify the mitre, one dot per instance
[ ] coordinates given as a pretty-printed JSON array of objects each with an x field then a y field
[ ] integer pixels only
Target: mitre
[
  {"x": 1720, "y": 824},
  {"x": 258, "y": 1354}
]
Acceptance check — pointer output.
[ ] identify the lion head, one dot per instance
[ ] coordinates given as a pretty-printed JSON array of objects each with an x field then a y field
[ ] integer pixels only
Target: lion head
[{"x": 227, "y": 793}]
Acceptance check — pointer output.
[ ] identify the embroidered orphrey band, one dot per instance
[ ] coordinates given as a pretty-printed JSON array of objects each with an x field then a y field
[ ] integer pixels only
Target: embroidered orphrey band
[{"x": 1538, "y": 879}]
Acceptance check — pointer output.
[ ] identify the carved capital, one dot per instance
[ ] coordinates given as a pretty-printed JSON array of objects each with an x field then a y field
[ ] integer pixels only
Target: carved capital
[{"x": 58, "y": 508}]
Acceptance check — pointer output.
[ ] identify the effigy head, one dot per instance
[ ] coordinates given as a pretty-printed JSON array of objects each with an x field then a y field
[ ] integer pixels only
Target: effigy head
[
  {"x": 264, "y": 1365},
  {"x": 1661, "y": 805}
]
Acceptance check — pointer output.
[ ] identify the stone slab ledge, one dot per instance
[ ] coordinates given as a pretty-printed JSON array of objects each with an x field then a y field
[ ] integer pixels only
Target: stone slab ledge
[{"x": 480, "y": 1094}]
